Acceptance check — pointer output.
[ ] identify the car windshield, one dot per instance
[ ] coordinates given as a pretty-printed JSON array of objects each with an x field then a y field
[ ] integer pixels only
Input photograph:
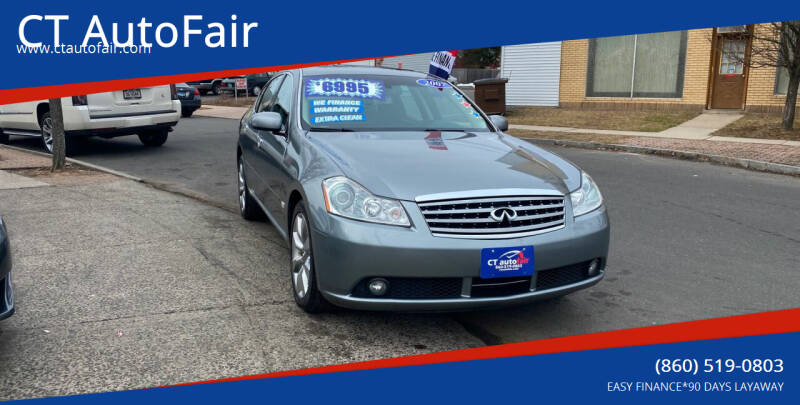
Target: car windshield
[{"x": 386, "y": 103}]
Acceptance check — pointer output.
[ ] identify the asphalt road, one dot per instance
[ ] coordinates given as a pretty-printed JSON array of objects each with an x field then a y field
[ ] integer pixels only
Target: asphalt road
[{"x": 690, "y": 240}]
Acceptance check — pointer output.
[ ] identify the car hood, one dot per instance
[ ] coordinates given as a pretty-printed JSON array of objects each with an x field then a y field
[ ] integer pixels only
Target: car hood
[{"x": 405, "y": 165}]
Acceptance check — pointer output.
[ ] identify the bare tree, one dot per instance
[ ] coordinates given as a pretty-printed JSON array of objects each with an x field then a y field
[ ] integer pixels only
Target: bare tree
[
  {"x": 778, "y": 45},
  {"x": 57, "y": 132}
]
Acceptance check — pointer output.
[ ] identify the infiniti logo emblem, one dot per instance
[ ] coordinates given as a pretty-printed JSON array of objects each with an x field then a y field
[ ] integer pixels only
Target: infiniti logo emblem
[{"x": 503, "y": 214}]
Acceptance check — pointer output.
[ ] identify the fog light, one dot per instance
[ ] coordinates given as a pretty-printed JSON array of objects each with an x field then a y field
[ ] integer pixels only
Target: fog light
[
  {"x": 378, "y": 286},
  {"x": 594, "y": 267}
]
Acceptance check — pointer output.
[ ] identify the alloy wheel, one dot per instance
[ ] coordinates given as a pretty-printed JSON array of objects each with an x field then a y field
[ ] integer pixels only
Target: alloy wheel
[
  {"x": 242, "y": 187},
  {"x": 301, "y": 256},
  {"x": 47, "y": 133}
]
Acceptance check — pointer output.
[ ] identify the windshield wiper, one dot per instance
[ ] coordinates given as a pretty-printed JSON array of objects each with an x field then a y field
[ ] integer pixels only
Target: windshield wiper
[
  {"x": 443, "y": 130},
  {"x": 328, "y": 129}
]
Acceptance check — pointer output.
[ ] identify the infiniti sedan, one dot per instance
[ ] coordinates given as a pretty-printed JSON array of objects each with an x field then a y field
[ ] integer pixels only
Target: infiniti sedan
[{"x": 394, "y": 191}]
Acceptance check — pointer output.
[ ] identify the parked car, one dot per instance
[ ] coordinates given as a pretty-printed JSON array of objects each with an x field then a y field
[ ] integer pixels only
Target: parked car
[
  {"x": 149, "y": 112},
  {"x": 208, "y": 85},
  {"x": 255, "y": 83},
  {"x": 190, "y": 99},
  {"x": 6, "y": 289},
  {"x": 395, "y": 192}
]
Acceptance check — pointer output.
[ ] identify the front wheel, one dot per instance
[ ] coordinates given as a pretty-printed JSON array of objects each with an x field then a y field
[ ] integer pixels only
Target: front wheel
[
  {"x": 301, "y": 264},
  {"x": 215, "y": 89},
  {"x": 153, "y": 138},
  {"x": 247, "y": 204}
]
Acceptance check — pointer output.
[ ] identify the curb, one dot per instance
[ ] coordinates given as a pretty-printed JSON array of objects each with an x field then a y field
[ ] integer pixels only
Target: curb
[
  {"x": 170, "y": 188},
  {"x": 76, "y": 162},
  {"x": 750, "y": 164}
]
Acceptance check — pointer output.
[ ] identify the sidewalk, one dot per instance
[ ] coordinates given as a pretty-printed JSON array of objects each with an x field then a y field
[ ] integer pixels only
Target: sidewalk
[
  {"x": 122, "y": 286},
  {"x": 218, "y": 111},
  {"x": 699, "y": 128}
]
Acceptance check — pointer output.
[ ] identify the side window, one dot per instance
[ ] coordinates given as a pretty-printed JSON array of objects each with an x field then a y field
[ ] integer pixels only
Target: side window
[
  {"x": 265, "y": 103},
  {"x": 283, "y": 103}
]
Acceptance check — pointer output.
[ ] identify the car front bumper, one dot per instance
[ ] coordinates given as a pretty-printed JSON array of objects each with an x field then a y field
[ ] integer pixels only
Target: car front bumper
[{"x": 348, "y": 252}]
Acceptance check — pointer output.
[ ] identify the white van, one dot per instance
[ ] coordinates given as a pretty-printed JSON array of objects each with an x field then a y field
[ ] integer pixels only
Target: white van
[{"x": 149, "y": 112}]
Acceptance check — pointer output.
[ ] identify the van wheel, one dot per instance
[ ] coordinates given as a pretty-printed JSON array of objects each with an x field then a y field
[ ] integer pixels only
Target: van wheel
[
  {"x": 301, "y": 264},
  {"x": 153, "y": 138}
]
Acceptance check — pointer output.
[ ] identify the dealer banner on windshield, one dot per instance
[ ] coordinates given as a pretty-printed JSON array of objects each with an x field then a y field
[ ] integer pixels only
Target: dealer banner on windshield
[{"x": 442, "y": 63}]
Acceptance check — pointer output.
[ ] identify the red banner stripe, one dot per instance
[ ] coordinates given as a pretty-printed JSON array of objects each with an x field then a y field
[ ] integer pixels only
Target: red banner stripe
[
  {"x": 9, "y": 96},
  {"x": 764, "y": 323}
]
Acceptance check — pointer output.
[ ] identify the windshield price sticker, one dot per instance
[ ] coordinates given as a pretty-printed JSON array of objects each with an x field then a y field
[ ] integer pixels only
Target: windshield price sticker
[
  {"x": 326, "y": 119},
  {"x": 433, "y": 83},
  {"x": 344, "y": 87},
  {"x": 337, "y": 106}
]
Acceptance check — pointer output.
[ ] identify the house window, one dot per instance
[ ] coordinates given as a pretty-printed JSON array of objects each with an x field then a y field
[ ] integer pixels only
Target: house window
[
  {"x": 781, "y": 81},
  {"x": 649, "y": 65}
]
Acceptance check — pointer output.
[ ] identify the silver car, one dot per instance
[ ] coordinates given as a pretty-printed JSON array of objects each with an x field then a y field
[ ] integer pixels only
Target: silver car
[{"x": 395, "y": 192}]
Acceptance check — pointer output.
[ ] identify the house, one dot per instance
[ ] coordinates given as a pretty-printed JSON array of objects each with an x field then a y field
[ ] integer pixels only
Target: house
[
  {"x": 533, "y": 73},
  {"x": 692, "y": 70}
]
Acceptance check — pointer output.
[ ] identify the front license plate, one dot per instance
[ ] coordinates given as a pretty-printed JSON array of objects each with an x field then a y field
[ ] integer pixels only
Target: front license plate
[
  {"x": 132, "y": 94},
  {"x": 507, "y": 262}
]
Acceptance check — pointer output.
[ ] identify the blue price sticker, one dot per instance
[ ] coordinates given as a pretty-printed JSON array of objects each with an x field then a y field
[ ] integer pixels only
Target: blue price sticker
[
  {"x": 326, "y": 119},
  {"x": 433, "y": 83},
  {"x": 344, "y": 87},
  {"x": 342, "y": 106}
]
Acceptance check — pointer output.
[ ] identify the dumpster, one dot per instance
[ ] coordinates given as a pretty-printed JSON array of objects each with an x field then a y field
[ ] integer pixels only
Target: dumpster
[{"x": 490, "y": 95}]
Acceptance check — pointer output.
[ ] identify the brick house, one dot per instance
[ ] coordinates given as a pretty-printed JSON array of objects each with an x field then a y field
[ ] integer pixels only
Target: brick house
[{"x": 691, "y": 69}]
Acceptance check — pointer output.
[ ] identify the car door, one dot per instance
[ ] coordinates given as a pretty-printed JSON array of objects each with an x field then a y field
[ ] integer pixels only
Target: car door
[
  {"x": 20, "y": 116},
  {"x": 273, "y": 148},
  {"x": 251, "y": 138}
]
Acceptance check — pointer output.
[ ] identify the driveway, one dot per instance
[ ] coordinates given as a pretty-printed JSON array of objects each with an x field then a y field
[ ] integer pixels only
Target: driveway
[{"x": 689, "y": 240}]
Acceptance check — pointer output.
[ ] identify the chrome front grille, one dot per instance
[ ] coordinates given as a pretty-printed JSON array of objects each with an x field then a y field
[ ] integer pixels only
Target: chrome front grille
[{"x": 484, "y": 218}]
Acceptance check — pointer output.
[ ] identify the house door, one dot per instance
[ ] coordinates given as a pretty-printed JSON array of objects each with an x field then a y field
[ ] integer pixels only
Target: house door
[{"x": 729, "y": 73}]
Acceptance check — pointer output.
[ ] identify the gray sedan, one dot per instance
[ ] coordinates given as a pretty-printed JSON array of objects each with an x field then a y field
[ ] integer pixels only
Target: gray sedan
[
  {"x": 6, "y": 289},
  {"x": 395, "y": 192}
]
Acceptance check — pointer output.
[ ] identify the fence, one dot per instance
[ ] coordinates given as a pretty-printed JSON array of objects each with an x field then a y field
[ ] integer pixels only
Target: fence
[{"x": 469, "y": 75}]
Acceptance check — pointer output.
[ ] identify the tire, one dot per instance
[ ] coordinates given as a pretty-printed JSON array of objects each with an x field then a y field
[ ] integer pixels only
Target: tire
[
  {"x": 248, "y": 207},
  {"x": 215, "y": 88},
  {"x": 153, "y": 138},
  {"x": 46, "y": 128},
  {"x": 203, "y": 92},
  {"x": 302, "y": 271},
  {"x": 187, "y": 113}
]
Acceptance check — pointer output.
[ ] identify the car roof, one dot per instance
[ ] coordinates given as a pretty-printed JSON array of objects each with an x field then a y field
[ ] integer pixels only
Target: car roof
[{"x": 360, "y": 70}]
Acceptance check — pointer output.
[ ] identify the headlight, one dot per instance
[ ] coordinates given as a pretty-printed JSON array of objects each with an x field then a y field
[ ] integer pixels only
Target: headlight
[
  {"x": 587, "y": 198},
  {"x": 347, "y": 198}
]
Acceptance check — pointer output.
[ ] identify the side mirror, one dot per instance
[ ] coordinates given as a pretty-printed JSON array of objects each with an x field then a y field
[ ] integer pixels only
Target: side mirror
[
  {"x": 499, "y": 121},
  {"x": 266, "y": 121}
]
